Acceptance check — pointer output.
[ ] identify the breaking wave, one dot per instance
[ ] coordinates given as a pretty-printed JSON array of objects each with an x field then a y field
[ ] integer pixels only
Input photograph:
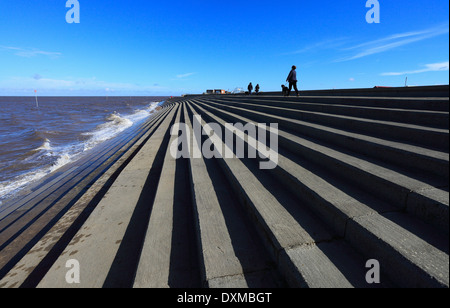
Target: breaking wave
[{"x": 52, "y": 157}]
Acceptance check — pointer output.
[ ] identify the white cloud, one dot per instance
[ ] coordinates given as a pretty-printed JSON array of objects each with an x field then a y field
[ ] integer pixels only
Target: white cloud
[
  {"x": 393, "y": 41},
  {"x": 181, "y": 76},
  {"x": 433, "y": 67},
  {"x": 31, "y": 52},
  {"x": 71, "y": 84},
  {"x": 325, "y": 44}
]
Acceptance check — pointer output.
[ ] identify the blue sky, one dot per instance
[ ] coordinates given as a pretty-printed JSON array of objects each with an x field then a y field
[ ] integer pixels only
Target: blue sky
[{"x": 147, "y": 47}]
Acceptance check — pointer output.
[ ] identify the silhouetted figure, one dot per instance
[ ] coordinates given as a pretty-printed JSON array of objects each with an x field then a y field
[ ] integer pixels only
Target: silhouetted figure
[
  {"x": 250, "y": 88},
  {"x": 285, "y": 90},
  {"x": 292, "y": 79},
  {"x": 257, "y": 89}
]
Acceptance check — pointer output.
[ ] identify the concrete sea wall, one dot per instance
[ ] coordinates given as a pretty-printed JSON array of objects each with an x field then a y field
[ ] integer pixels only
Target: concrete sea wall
[{"x": 361, "y": 175}]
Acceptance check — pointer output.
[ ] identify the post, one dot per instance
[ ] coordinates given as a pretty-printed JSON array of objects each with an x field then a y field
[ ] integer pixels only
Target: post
[{"x": 37, "y": 104}]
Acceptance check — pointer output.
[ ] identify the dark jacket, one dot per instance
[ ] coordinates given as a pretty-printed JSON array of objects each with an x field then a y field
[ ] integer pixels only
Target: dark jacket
[{"x": 292, "y": 76}]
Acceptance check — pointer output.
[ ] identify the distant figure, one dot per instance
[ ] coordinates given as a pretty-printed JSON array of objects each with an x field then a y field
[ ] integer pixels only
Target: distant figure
[
  {"x": 250, "y": 88},
  {"x": 257, "y": 89},
  {"x": 292, "y": 79},
  {"x": 285, "y": 90}
]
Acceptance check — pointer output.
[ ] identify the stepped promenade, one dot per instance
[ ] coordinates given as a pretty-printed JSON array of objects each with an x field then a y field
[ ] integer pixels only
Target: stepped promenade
[{"x": 360, "y": 175}]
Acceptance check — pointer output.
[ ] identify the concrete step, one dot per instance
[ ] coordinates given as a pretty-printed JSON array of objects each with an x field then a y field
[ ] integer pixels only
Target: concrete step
[
  {"x": 379, "y": 92},
  {"x": 165, "y": 260},
  {"x": 419, "y": 198},
  {"x": 413, "y": 134},
  {"x": 439, "y": 104},
  {"x": 292, "y": 233},
  {"x": 98, "y": 243},
  {"x": 437, "y": 119},
  {"x": 337, "y": 209},
  {"x": 230, "y": 254},
  {"x": 425, "y": 161}
]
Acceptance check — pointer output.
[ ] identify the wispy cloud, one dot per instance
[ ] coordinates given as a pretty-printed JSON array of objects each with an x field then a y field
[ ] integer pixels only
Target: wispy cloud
[
  {"x": 393, "y": 41},
  {"x": 433, "y": 67},
  {"x": 322, "y": 45},
  {"x": 30, "y": 52},
  {"x": 182, "y": 76},
  {"x": 72, "y": 84}
]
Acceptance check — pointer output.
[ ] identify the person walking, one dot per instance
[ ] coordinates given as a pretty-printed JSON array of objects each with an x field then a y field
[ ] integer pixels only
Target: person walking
[
  {"x": 250, "y": 88},
  {"x": 257, "y": 89},
  {"x": 292, "y": 79}
]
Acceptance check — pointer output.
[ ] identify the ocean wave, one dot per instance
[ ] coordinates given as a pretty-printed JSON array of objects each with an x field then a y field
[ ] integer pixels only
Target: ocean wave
[
  {"x": 45, "y": 146},
  {"x": 56, "y": 157},
  {"x": 62, "y": 160},
  {"x": 115, "y": 125},
  {"x": 9, "y": 188}
]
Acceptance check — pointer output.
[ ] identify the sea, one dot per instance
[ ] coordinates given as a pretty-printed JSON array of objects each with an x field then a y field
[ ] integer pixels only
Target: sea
[{"x": 39, "y": 137}]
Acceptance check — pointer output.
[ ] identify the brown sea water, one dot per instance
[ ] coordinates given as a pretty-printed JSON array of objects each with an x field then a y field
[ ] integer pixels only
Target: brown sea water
[{"x": 37, "y": 140}]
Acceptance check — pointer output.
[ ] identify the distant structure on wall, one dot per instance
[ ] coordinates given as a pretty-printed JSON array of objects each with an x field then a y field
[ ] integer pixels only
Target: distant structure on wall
[{"x": 216, "y": 91}]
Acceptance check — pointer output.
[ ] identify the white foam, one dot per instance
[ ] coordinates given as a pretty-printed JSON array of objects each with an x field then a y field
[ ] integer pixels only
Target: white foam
[
  {"x": 142, "y": 114},
  {"x": 105, "y": 131},
  {"x": 60, "y": 162},
  {"x": 116, "y": 124},
  {"x": 45, "y": 146},
  {"x": 7, "y": 188}
]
